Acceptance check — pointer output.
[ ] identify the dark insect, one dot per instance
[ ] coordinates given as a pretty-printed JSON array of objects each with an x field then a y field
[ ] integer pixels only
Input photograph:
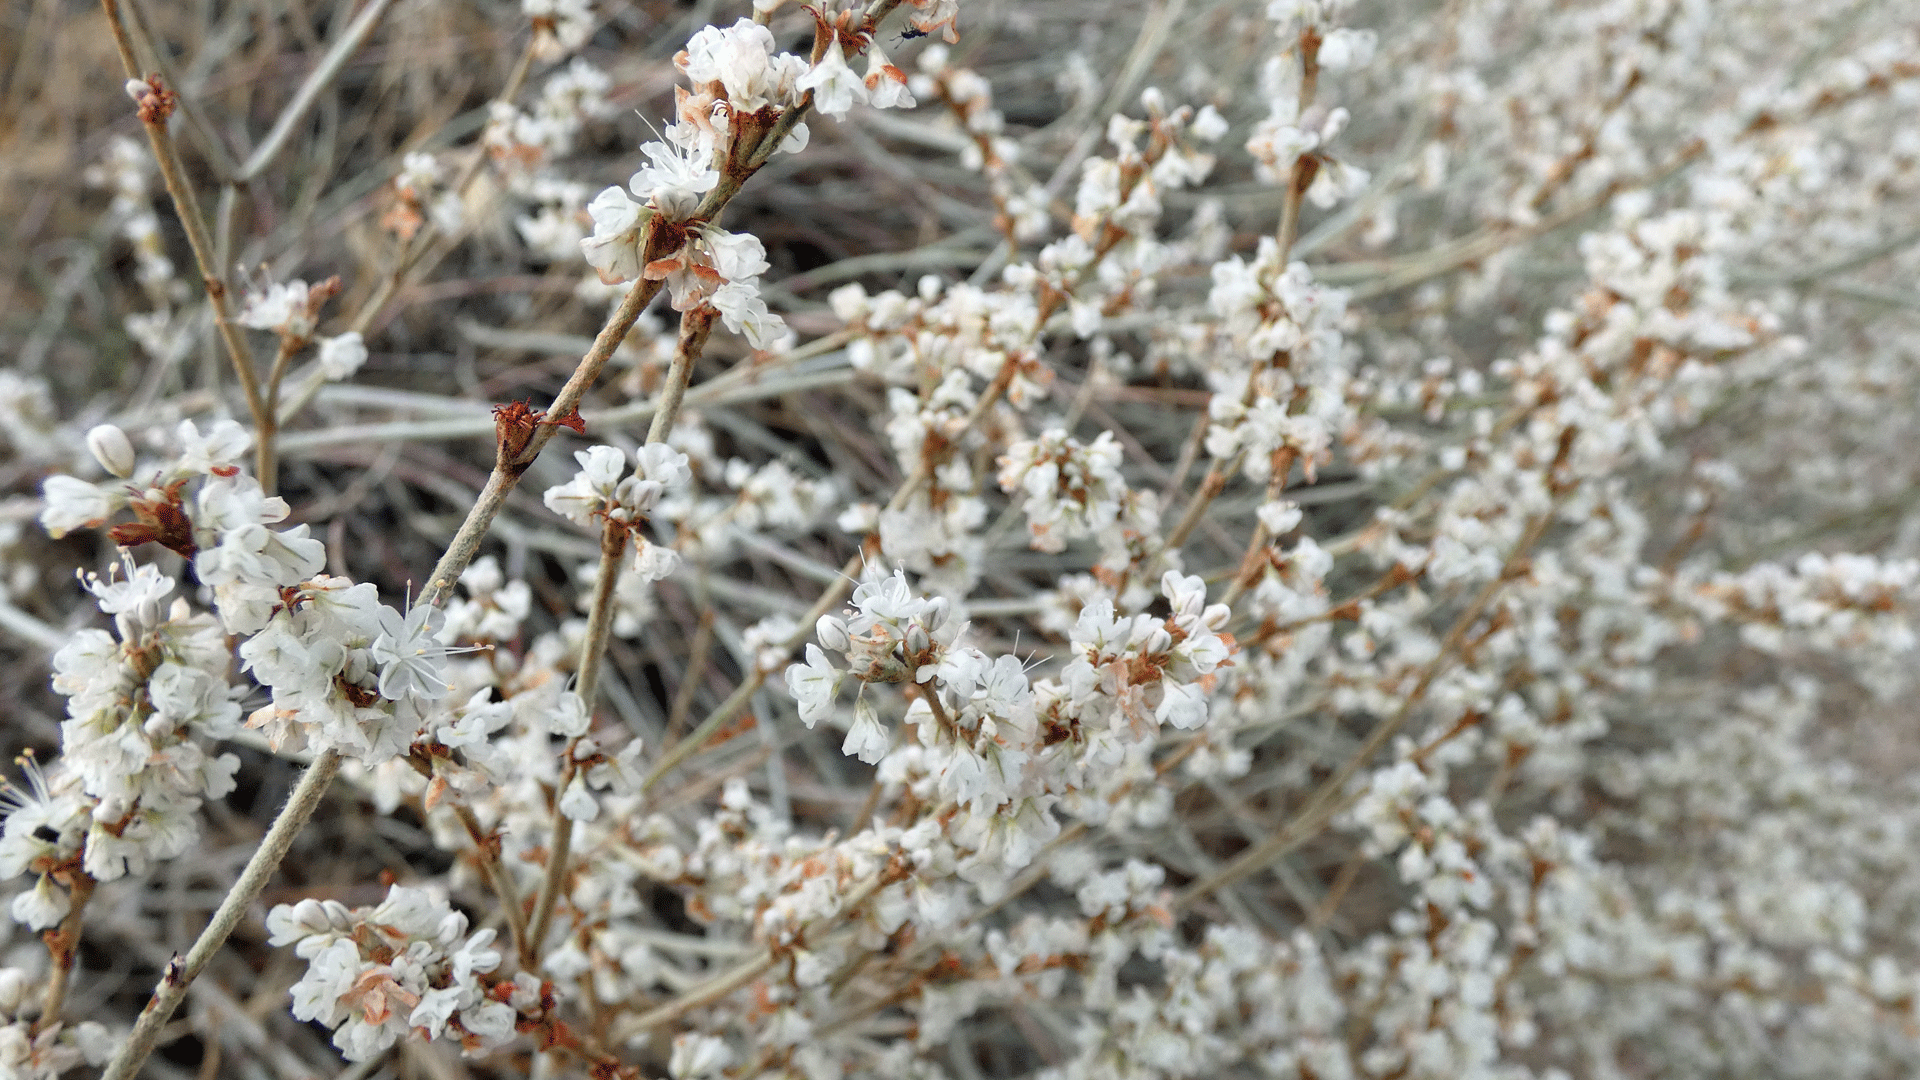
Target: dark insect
[{"x": 912, "y": 32}]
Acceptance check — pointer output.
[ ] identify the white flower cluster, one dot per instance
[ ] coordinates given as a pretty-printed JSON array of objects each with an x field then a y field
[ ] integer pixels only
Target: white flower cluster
[
  {"x": 404, "y": 967},
  {"x": 604, "y": 491},
  {"x": 34, "y": 1051},
  {"x": 1463, "y": 628},
  {"x": 1127, "y": 669},
  {"x": 559, "y": 26},
  {"x": 345, "y": 670},
  {"x": 1072, "y": 489},
  {"x": 126, "y": 790},
  {"x": 523, "y": 144},
  {"x": 1290, "y": 399}
]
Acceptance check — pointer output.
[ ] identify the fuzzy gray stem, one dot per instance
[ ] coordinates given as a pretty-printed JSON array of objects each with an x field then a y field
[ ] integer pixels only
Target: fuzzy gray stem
[{"x": 182, "y": 971}]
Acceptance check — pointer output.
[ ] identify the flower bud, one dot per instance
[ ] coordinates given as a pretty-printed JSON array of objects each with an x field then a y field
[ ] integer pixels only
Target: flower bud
[
  {"x": 637, "y": 495},
  {"x": 111, "y": 449},
  {"x": 1157, "y": 642},
  {"x": 138, "y": 88},
  {"x": 13, "y": 989},
  {"x": 339, "y": 916},
  {"x": 833, "y": 633}
]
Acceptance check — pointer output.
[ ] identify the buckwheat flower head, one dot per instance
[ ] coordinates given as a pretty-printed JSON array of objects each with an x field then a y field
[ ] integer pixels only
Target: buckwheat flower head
[{"x": 741, "y": 59}]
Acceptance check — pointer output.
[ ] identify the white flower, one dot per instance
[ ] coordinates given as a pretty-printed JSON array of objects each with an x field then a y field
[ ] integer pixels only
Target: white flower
[
  {"x": 282, "y": 307},
  {"x": 412, "y": 659},
  {"x": 1345, "y": 48},
  {"x": 592, "y": 488},
  {"x": 654, "y": 561},
  {"x": 675, "y": 180},
  {"x": 1183, "y": 705},
  {"x": 603, "y": 466},
  {"x": 288, "y": 924},
  {"x": 569, "y": 716},
  {"x": 561, "y": 26},
  {"x": 436, "y": 1007},
  {"x": 220, "y": 446},
  {"x": 741, "y": 59},
  {"x": 1280, "y": 517},
  {"x": 475, "y": 956},
  {"x": 490, "y": 1021},
  {"x": 745, "y": 313},
  {"x": 736, "y": 256},
  {"x": 813, "y": 684},
  {"x": 1208, "y": 125},
  {"x": 577, "y": 803},
  {"x": 835, "y": 87},
  {"x": 698, "y": 1056},
  {"x": 660, "y": 462},
  {"x": 886, "y": 84},
  {"x": 41, "y": 907},
  {"x": 866, "y": 739},
  {"x": 418, "y": 173},
  {"x": 72, "y": 503},
  {"x": 341, "y": 356},
  {"x": 614, "y": 248}
]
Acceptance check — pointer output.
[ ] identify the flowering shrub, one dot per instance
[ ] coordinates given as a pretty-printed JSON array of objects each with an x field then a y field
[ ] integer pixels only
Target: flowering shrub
[{"x": 1289, "y": 539}]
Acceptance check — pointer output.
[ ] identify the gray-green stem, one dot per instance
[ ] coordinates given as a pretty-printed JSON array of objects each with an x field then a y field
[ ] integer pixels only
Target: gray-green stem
[{"x": 182, "y": 971}]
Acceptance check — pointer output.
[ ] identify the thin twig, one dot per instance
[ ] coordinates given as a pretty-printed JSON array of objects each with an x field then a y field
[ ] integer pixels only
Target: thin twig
[
  {"x": 182, "y": 971},
  {"x": 309, "y": 92},
  {"x": 1327, "y": 799},
  {"x": 690, "y": 676},
  {"x": 695, "y": 326},
  {"x": 63, "y": 948},
  {"x": 187, "y": 208},
  {"x": 506, "y": 473}
]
